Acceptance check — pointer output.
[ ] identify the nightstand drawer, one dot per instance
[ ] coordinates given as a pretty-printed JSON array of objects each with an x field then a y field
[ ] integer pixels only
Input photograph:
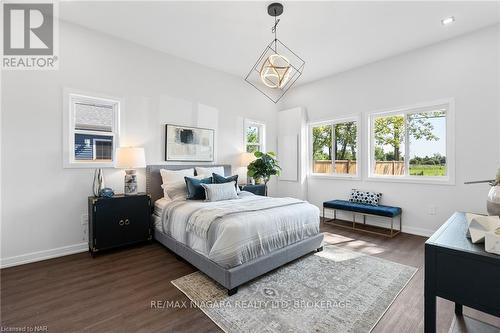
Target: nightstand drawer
[{"x": 119, "y": 221}]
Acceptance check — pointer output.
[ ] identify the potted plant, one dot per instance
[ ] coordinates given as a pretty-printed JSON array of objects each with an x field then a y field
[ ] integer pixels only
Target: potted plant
[{"x": 264, "y": 166}]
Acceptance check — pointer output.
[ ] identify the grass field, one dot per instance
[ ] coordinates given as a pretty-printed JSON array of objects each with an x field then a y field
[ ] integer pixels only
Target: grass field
[{"x": 427, "y": 170}]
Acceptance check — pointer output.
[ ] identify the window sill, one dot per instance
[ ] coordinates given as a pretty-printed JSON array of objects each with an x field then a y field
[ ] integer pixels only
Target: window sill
[
  {"x": 413, "y": 180},
  {"x": 333, "y": 176},
  {"x": 88, "y": 165}
]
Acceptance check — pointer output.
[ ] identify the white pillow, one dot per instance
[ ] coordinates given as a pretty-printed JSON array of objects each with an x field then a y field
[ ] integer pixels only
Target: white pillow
[
  {"x": 175, "y": 190},
  {"x": 209, "y": 170},
  {"x": 218, "y": 192},
  {"x": 168, "y": 176}
]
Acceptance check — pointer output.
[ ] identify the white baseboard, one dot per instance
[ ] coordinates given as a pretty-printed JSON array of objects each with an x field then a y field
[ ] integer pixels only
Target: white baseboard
[
  {"x": 43, "y": 255},
  {"x": 418, "y": 231}
]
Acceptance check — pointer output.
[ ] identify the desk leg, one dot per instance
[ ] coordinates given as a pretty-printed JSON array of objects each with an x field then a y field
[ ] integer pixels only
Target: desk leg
[
  {"x": 429, "y": 290},
  {"x": 459, "y": 309},
  {"x": 430, "y": 313}
]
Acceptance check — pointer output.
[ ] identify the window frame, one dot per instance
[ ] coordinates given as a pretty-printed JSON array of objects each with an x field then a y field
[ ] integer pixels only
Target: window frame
[
  {"x": 94, "y": 147},
  {"x": 352, "y": 118},
  {"x": 449, "y": 179},
  {"x": 71, "y": 97},
  {"x": 262, "y": 134}
]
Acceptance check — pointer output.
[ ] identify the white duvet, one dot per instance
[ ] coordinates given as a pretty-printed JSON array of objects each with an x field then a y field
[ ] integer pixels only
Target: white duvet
[{"x": 241, "y": 234}]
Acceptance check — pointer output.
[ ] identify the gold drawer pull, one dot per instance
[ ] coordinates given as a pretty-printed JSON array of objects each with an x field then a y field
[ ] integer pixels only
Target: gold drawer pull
[
  {"x": 121, "y": 223},
  {"x": 127, "y": 222}
]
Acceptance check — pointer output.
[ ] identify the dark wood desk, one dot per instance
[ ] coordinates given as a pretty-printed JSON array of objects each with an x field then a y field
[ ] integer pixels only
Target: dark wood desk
[{"x": 459, "y": 271}]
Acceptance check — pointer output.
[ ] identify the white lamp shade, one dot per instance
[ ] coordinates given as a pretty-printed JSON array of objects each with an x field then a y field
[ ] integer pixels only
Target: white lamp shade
[
  {"x": 130, "y": 158},
  {"x": 247, "y": 158}
]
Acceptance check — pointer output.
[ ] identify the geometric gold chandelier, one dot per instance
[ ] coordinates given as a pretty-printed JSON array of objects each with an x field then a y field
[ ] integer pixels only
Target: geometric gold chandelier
[
  {"x": 275, "y": 71},
  {"x": 278, "y": 67}
]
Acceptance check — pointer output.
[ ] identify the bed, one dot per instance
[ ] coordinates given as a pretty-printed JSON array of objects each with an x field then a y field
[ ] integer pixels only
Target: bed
[{"x": 247, "y": 237}]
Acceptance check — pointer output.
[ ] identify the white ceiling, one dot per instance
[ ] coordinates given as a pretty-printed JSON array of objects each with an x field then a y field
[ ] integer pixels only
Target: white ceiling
[{"x": 330, "y": 36}]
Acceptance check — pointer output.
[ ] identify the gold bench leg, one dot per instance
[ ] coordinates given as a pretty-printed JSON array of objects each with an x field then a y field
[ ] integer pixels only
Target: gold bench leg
[{"x": 392, "y": 232}]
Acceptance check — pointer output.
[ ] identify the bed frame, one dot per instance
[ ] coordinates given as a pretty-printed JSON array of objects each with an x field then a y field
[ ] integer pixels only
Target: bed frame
[{"x": 229, "y": 278}]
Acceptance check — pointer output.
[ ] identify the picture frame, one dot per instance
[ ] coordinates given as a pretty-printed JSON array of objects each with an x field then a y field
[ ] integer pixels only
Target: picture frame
[{"x": 189, "y": 144}]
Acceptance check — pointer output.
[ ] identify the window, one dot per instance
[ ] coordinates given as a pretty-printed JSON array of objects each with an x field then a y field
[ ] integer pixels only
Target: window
[
  {"x": 255, "y": 135},
  {"x": 412, "y": 143},
  {"x": 91, "y": 130},
  {"x": 103, "y": 149},
  {"x": 334, "y": 147}
]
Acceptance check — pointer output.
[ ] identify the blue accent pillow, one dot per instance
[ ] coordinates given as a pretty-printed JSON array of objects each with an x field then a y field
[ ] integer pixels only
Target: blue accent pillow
[
  {"x": 194, "y": 189},
  {"x": 218, "y": 179}
]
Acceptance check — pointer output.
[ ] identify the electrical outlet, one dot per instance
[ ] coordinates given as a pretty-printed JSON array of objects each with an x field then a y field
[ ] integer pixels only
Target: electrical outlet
[
  {"x": 84, "y": 219},
  {"x": 432, "y": 210}
]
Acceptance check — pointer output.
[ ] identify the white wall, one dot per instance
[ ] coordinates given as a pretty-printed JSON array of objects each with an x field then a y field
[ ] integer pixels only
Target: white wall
[
  {"x": 42, "y": 202},
  {"x": 292, "y": 125},
  {"x": 466, "y": 69}
]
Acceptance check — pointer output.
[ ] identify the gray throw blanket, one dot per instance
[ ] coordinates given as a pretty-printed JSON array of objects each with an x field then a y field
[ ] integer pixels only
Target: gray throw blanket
[{"x": 200, "y": 221}]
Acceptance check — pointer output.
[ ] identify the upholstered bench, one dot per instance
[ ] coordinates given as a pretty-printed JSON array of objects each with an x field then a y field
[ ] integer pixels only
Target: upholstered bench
[{"x": 365, "y": 210}]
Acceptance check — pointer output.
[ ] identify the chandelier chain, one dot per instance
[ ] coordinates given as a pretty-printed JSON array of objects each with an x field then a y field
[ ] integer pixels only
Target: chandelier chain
[{"x": 275, "y": 31}]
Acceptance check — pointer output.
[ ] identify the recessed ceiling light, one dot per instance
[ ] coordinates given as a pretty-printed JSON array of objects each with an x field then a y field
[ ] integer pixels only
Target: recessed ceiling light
[{"x": 448, "y": 20}]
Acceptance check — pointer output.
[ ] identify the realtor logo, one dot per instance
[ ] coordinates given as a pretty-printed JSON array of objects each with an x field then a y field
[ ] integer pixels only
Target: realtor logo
[{"x": 29, "y": 31}]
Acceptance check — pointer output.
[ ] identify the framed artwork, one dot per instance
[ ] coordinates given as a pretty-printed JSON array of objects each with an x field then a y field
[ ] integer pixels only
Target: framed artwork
[{"x": 183, "y": 143}]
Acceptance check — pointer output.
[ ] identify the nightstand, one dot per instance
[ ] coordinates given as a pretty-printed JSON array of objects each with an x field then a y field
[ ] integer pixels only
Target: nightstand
[
  {"x": 258, "y": 189},
  {"x": 118, "y": 221}
]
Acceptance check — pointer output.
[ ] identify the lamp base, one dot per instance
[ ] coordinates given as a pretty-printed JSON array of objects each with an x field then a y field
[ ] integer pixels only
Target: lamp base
[{"x": 130, "y": 187}]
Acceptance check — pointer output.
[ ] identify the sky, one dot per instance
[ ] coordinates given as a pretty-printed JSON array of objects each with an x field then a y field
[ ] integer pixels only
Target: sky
[{"x": 424, "y": 148}]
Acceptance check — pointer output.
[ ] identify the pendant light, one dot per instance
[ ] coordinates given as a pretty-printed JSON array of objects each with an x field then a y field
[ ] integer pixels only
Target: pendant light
[{"x": 278, "y": 67}]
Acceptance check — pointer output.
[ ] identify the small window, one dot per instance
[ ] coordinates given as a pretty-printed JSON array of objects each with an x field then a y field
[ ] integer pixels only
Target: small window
[
  {"x": 411, "y": 143},
  {"x": 93, "y": 131},
  {"x": 334, "y": 147},
  {"x": 254, "y": 136}
]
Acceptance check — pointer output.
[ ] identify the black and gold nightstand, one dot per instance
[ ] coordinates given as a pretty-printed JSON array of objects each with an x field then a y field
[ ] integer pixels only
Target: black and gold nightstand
[
  {"x": 258, "y": 189},
  {"x": 118, "y": 221}
]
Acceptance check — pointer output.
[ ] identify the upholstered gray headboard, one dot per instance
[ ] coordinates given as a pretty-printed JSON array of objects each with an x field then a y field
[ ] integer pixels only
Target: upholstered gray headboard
[{"x": 153, "y": 177}]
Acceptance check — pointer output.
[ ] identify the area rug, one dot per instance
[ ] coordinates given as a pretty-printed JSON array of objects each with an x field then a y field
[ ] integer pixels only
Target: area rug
[{"x": 335, "y": 290}]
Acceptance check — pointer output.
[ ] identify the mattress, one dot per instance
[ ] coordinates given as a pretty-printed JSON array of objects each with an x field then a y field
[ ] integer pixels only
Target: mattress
[
  {"x": 238, "y": 231},
  {"x": 159, "y": 205}
]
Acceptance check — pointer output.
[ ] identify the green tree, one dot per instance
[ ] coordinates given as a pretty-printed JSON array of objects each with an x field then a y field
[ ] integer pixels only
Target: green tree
[
  {"x": 252, "y": 135},
  {"x": 345, "y": 139},
  {"x": 345, "y": 136},
  {"x": 322, "y": 140},
  {"x": 391, "y": 130},
  {"x": 379, "y": 154}
]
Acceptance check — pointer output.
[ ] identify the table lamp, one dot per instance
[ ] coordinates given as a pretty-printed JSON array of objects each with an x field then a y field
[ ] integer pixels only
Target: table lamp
[
  {"x": 246, "y": 159},
  {"x": 130, "y": 158}
]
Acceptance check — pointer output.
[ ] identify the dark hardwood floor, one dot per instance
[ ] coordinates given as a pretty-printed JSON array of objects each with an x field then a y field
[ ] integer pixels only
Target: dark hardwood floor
[{"x": 114, "y": 291}]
